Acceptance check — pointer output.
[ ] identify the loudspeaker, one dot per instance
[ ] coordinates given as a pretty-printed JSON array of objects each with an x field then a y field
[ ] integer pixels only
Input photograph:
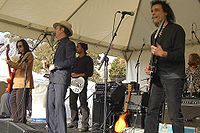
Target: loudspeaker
[
  {"x": 136, "y": 119},
  {"x": 11, "y": 127},
  {"x": 116, "y": 92},
  {"x": 191, "y": 115},
  {"x": 135, "y": 102},
  {"x": 98, "y": 112},
  {"x": 138, "y": 101}
]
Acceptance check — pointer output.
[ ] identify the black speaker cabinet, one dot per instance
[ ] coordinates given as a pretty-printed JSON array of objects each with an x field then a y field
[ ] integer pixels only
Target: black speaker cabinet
[
  {"x": 138, "y": 101},
  {"x": 116, "y": 92},
  {"x": 10, "y": 127},
  {"x": 191, "y": 115},
  {"x": 98, "y": 112},
  {"x": 136, "y": 119}
]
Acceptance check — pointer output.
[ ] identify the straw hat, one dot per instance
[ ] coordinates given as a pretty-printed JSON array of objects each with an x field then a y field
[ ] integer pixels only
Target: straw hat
[{"x": 66, "y": 24}]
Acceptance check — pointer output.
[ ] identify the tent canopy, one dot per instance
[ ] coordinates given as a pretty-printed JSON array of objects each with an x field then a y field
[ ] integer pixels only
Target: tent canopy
[{"x": 92, "y": 21}]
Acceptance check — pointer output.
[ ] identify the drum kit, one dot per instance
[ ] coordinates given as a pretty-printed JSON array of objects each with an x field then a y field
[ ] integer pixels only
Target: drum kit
[{"x": 191, "y": 89}]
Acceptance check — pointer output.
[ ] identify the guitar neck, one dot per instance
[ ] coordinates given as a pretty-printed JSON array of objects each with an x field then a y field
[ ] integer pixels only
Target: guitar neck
[
  {"x": 8, "y": 58},
  {"x": 128, "y": 98}
]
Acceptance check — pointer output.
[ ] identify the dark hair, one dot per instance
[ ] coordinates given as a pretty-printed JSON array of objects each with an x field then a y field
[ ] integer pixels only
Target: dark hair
[
  {"x": 167, "y": 9},
  {"x": 194, "y": 60},
  {"x": 25, "y": 45},
  {"x": 84, "y": 46},
  {"x": 66, "y": 31}
]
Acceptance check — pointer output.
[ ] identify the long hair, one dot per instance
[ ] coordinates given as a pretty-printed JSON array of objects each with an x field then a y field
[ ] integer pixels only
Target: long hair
[
  {"x": 25, "y": 45},
  {"x": 167, "y": 9},
  {"x": 194, "y": 60}
]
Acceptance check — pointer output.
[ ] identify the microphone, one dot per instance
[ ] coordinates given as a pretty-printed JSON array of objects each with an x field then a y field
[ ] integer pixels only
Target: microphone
[
  {"x": 192, "y": 30},
  {"x": 126, "y": 13},
  {"x": 48, "y": 33}
]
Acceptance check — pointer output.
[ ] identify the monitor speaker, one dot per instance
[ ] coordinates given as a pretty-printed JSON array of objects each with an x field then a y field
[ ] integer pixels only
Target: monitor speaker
[{"x": 190, "y": 113}]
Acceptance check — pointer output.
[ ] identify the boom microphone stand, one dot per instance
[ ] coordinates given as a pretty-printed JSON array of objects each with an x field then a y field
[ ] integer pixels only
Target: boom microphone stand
[
  {"x": 106, "y": 59},
  {"x": 45, "y": 35},
  {"x": 138, "y": 65}
]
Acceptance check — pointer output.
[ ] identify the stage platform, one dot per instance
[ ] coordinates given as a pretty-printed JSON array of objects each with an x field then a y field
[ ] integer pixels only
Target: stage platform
[{"x": 7, "y": 126}]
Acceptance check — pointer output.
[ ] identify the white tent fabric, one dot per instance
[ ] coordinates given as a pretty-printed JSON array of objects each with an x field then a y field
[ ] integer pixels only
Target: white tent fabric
[{"x": 91, "y": 19}]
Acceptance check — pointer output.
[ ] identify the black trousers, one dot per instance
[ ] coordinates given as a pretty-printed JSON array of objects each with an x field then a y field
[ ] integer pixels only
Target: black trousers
[
  {"x": 172, "y": 89},
  {"x": 18, "y": 104},
  {"x": 83, "y": 106},
  {"x": 56, "y": 114}
]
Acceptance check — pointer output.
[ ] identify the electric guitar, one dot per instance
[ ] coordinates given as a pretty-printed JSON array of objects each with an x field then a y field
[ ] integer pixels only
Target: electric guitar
[
  {"x": 153, "y": 61},
  {"x": 121, "y": 123},
  {"x": 11, "y": 73},
  {"x": 77, "y": 84}
]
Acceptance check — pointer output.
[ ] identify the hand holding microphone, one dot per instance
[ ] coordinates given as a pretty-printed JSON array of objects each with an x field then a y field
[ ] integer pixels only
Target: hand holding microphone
[{"x": 51, "y": 67}]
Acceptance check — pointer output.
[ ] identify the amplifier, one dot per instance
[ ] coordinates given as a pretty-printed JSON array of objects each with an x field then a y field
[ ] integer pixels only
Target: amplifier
[
  {"x": 191, "y": 102},
  {"x": 138, "y": 101},
  {"x": 190, "y": 109},
  {"x": 115, "y": 92}
]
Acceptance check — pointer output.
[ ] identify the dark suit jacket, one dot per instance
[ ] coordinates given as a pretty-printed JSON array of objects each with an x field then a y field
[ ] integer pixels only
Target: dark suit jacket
[{"x": 63, "y": 60}]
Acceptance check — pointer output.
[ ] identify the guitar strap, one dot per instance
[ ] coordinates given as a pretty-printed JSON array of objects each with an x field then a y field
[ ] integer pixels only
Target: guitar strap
[{"x": 158, "y": 32}]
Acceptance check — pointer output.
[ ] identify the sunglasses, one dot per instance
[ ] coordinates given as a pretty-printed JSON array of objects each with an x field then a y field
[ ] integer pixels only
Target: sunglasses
[{"x": 19, "y": 46}]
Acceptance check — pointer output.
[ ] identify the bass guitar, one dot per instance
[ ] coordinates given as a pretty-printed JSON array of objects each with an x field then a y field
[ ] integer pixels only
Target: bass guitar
[
  {"x": 11, "y": 73},
  {"x": 77, "y": 84}
]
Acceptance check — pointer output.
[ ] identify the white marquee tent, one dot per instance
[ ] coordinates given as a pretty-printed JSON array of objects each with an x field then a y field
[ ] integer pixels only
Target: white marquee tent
[{"x": 92, "y": 23}]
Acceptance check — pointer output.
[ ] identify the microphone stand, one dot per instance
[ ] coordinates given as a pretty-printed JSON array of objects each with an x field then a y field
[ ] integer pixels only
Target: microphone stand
[
  {"x": 138, "y": 65},
  {"x": 39, "y": 42},
  {"x": 106, "y": 59}
]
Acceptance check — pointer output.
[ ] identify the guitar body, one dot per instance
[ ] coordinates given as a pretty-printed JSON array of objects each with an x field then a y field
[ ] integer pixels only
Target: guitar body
[
  {"x": 77, "y": 84},
  {"x": 153, "y": 67},
  {"x": 10, "y": 81},
  {"x": 121, "y": 123},
  {"x": 11, "y": 73}
]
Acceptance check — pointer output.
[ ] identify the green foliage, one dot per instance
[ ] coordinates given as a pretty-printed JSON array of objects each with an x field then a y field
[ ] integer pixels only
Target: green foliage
[
  {"x": 12, "y": 38},
  {"x": 43, "y": 51},
  {"x": 118, "y": 69},
  {"x": 96, "y": 77}
]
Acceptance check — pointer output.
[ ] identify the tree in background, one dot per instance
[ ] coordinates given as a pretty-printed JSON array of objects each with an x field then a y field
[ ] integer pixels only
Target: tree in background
[
  {"x": 96, "y": 76},
  {"x": 118, "y": 69},
  {"x": 42, "y": 52},
  {"x": 45, "y": 51}
]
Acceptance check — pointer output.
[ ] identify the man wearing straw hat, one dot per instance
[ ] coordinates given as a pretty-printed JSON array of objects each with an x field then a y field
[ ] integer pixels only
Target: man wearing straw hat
[{"x": 60, "y": 77}]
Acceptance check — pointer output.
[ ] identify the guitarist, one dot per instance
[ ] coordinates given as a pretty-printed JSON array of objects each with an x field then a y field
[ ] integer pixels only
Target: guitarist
[
  {"x": 168, "y": 80},
  {"x": 22, "y": 83},
  {"x": 83, "y": 67}
]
